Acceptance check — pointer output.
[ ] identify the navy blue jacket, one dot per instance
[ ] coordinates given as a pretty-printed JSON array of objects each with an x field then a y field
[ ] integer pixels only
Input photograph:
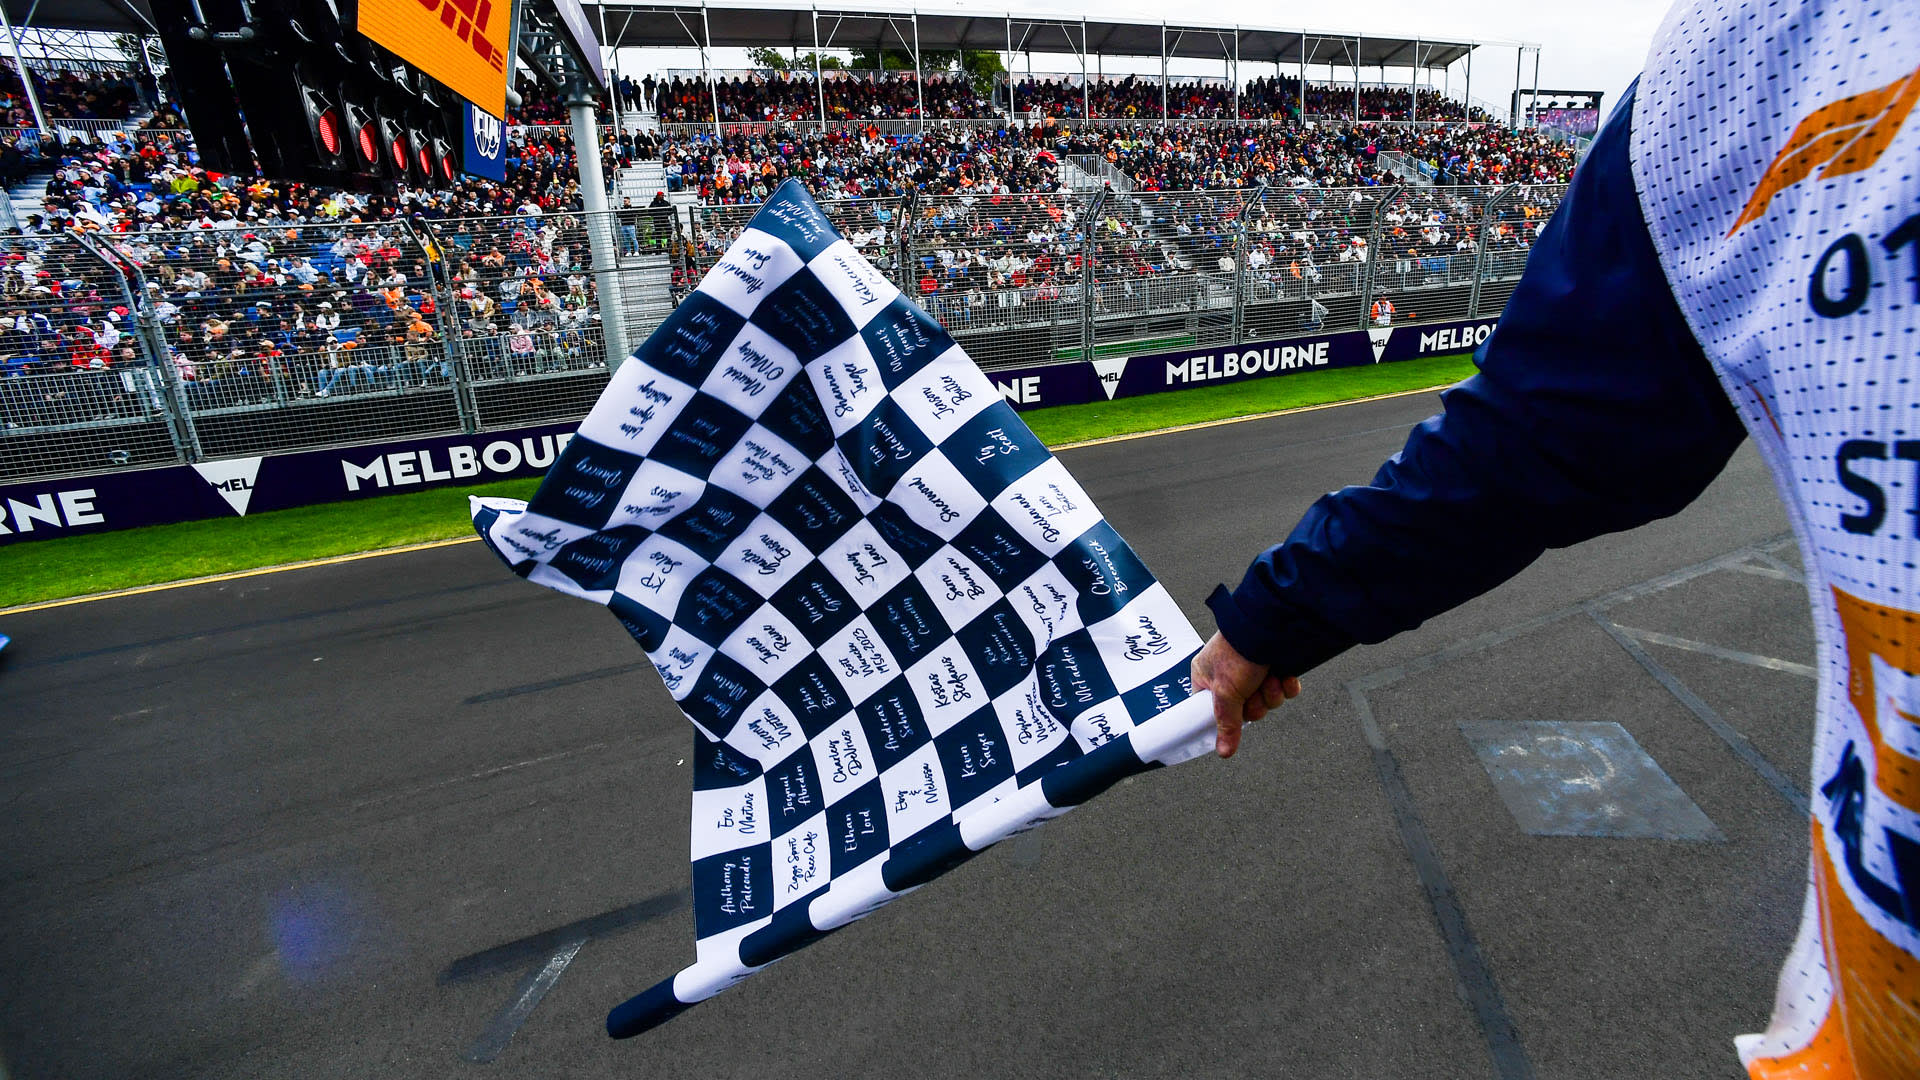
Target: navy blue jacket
[{"x": 1594, "y": 410}]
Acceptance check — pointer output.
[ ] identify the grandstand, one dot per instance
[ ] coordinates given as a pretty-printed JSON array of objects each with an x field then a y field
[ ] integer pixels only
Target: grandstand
[{"x": 154, "y": 312}]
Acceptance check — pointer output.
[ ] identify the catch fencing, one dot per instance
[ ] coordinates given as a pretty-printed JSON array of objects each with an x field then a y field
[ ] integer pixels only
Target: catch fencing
[{"x": 125, "y": 350}]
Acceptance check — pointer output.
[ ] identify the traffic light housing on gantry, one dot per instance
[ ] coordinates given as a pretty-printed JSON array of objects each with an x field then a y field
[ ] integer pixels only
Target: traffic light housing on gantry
[{"x": 288, "y": 88}]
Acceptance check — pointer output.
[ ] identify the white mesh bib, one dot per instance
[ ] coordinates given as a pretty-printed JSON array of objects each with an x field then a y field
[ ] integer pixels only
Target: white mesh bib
[{"x": 1776, "y": 150}]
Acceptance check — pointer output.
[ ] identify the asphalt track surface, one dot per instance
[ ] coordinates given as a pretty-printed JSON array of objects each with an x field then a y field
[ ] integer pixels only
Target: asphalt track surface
[{"x": 412, "y": 817}]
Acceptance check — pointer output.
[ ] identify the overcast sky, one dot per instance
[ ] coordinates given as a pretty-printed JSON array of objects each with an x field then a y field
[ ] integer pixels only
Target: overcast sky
[{"x": 1585, "y": 46}]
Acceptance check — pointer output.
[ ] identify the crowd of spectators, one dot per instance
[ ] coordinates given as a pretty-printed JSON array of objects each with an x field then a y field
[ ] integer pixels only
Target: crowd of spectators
[
  {"x": 1133, "y": 97},
  {"x": 994, "y": 260},
  {"x": 261, "y": 295},
  {"x": 1381, "y": 103},
  {"x": 779, "y": 96},
  {"x": 1485, "y": 155},
  {"x": 1173, "y": 157},
  {"x": 253, "y": 315},
  {"x": 1139, "y": 97},
  {"x": 851, "y": 161},
  {"x": 743, "y": 164},
  {"x": 761, "y": 97},
  {"x": 73, "y": 95}
]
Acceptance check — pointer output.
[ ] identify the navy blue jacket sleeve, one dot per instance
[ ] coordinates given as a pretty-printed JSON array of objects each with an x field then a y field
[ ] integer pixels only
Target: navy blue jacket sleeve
[{"x": 1593, "y": 410}]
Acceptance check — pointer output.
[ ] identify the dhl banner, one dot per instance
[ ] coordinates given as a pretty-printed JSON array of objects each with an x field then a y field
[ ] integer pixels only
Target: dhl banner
[{"x": 462, "y": 43}]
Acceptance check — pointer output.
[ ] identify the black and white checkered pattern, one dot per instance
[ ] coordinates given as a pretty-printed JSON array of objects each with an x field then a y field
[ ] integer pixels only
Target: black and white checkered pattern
[{"x": 901, "y": 628}]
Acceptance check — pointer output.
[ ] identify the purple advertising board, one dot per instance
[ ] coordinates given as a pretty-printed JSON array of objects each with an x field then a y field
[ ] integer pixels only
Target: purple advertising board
[
  {"x": 45, "y": 509},
  {"x": 1073, "y": 382}
]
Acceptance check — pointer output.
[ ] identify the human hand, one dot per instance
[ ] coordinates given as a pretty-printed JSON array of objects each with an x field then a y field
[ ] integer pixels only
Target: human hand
[{"x": 1243, "y": 691}]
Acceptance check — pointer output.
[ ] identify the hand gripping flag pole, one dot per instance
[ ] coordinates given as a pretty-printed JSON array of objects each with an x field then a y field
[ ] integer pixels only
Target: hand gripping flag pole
[{"x": 901, "y": 630}]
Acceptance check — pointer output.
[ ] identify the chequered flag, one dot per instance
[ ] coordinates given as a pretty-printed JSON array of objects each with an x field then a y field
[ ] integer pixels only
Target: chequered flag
[{"x": 900, "y": 628}]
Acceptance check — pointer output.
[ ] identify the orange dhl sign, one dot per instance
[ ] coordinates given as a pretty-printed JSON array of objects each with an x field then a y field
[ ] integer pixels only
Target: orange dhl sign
[{"x": 463, "y": 43}]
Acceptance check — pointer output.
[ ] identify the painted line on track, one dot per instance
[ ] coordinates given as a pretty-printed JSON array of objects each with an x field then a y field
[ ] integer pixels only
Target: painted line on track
[
  {"x": 334, "y": 560},
  {"x": 235, "y": 575},
  {"x": 1202, "y": 424}
]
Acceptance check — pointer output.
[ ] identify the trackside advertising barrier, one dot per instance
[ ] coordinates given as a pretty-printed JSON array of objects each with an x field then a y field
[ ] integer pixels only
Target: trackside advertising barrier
[
  {"x": 45, "y": 509},
  {"x": 1075, "y": 382}
]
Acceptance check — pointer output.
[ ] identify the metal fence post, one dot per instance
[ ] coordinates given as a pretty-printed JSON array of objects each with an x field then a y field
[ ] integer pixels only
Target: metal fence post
[
  {"x": 445, "y": 301},
  {"x": 1240, "y": 262},
  {"x": 909, "y": 214},
  {"x": 684, "y": 244},
  {"x": 153, "y": 342},
  {"x": 1373, "y": 253},
  {"x": 1480, "y": 250},
  {"x": 1089, "y": 230},
  {"x": 180, "y": 426}
]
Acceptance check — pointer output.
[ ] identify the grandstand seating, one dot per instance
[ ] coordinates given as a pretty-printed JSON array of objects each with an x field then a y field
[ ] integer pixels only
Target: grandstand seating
[
  {"x": 72, "y": 95},
  {"x": 848, "y": 96},
  {"x": 283, "y": 316}
]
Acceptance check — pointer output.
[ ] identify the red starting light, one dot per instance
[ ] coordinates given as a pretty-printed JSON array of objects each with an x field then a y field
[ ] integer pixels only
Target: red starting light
[{"x": 328, "y": 128}]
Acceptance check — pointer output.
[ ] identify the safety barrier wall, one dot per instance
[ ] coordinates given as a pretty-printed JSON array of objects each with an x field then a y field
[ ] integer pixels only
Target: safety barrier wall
[{"x": 46, "y": 509}]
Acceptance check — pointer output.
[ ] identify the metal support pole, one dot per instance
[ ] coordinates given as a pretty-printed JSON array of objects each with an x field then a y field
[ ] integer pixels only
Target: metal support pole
[
  {"x": 1534, "y": 102},
  {"x": 1356, "y": 79},
  {"x": 1236, "y": 74},
  {"x": 1012, "y": 105},
  {"x": 1513, "y": 114},
  {"x": 26, "y": 80},
  {"x": 440, "y": 284},
  {"x": 1303, "y": 77},
  {"x": 153, "y": 336},
  {"x": 613, "y": 78},
  {"x": 1373, "y": 252},
  {"x": 685, "y": 229},
  {"x": 1086, "y": 92},
  {"x": 1468, "y": 92},
  {"x": 903, "y": 243},
  {"x": 1240, "y": 263},
  {"x": 919, "y": 77},
  {"x": 1089, "y": 229},
  {"x": 146, "y": 68},
  {"x": 599, "y": 220},
  {"x": 713, "y": 91},
  {"x": 1163, "y": 73},
  {"x": 1239, "y": 282},
  {"x": 1480, "y": 252},
  {"x": 153, "y": 340},
  {"x": 1413, "y": 87},
  {"x": 819, "y": 86}
]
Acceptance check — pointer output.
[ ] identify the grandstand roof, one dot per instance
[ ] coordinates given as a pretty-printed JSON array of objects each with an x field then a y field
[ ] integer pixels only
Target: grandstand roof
[
  {"x": 665, "y": 24},
  {"x": 130, "y": 16}
]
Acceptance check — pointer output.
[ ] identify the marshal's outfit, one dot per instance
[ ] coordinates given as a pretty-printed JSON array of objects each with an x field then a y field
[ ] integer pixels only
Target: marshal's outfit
[{"x": 1739, "y": 255}]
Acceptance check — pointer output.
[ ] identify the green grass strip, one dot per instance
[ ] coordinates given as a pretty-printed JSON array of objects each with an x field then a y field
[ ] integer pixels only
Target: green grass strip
[
  {"x": 1077, "y": 423},
  {"x": 102, "y": 562}
]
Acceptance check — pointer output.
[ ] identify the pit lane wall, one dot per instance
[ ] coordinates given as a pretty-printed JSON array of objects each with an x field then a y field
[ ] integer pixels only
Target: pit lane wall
[{"x": 102, "y": 502}]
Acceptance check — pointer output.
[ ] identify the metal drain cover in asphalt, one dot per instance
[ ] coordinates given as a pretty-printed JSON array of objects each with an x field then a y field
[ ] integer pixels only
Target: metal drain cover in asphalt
[{"x": 1583, "y": 778}]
